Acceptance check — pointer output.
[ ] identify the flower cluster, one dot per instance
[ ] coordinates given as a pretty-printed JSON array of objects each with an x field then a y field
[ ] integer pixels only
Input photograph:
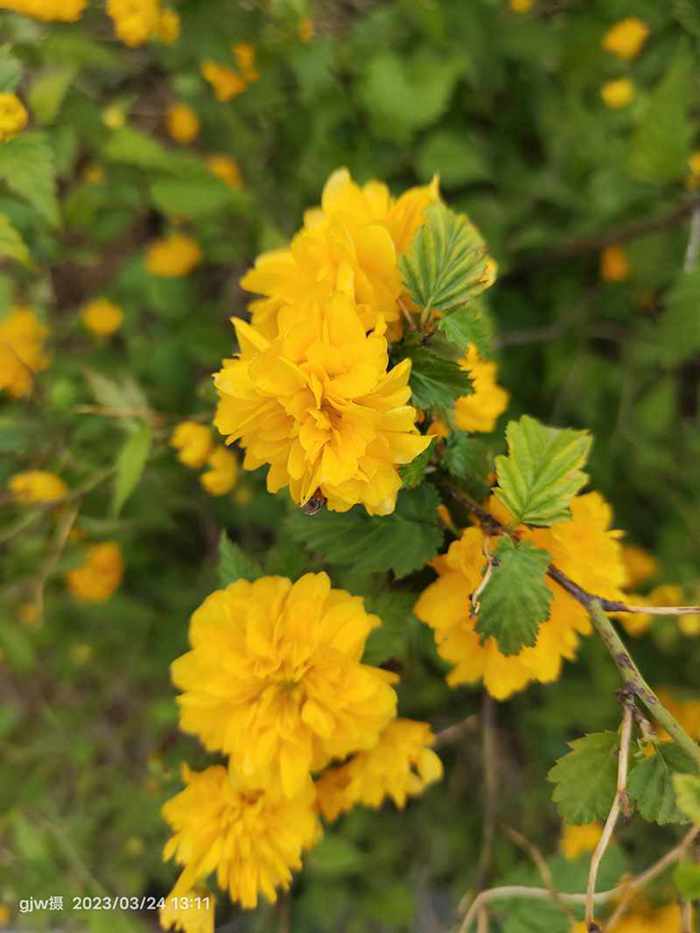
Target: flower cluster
[
  {"x": 228, "y": 82},
  {"x": 66, "y": 11},
  {"x": 22, "y": 351},
  {"x": 13, "y": 116},
  {"x": 195, "y": 445},
  {"x": 275, "y": 680},
  {"x": 584, "y": 548},
  {"x": 99, "y": 575},
  {"x": 102, "y": 317},
  {"x": 137, "y": 21},
  {"x": 173, "y": 256},
  {"x": 625, "y": 40}
]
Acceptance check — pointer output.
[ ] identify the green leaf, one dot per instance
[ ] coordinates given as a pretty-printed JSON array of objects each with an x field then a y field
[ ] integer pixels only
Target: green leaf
[
  {"x": 542, "y": 472},
  {"x": 677, "y": 335},
  {"x": 413, "y": 473},
  {"x": 234, "y": 564},
  {"x": 586, "y": 778},
  {"x": 468, "y": 460},
  {"x": 661, "y": 145},
  {"x": 48, "y": 92},
  {"x": 687, "y": 788},
  {"x": 452, "y": 155},
  {"x": 401, "y": 542},
  {"x": 468, "y": 324},
  {"x": 446, "y": 264},
  {"x": 137, "y": 149},
  {"x": 335, "y": 855},
  {"x": 650, "y": 784},
  {"x": 130, "y": 466},
  {"x": 515, "y": 601},
  {"x": 12, "y": 246},
  {"x": 686, "y": 878},
  {"x": 436, "y": 382},
  {"x": 395, "y": 609},
  {"x": 10, "y": 70},
  {"x": 27, "y": 168},
  {"x": 197, "y": 198}
]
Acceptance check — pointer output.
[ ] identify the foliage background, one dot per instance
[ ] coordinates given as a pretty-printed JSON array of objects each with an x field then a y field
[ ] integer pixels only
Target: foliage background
[{"x": 507, "y": 108}]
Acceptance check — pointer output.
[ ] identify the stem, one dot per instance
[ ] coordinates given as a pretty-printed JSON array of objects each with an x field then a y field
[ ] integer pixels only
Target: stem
[{"x": 632, "y": 676}]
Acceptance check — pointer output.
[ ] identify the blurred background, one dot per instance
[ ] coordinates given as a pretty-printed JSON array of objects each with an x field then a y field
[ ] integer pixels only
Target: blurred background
[{"x": 158, "y": 167}]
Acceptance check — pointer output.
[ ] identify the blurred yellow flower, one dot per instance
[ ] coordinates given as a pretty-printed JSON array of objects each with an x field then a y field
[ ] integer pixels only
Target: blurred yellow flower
[
  {"x": 648, "y": 919},
  {"x": 173, "y": 256},
  {"x": 13, "y": 116},
  {"x": 306, "y": 29},
  {"x": 191, "y": 912},
  {"x": 135, "y": 21},
  {"x": 225, "y": 168},
  {"x": 114, "y": 116},
  {"x": 80, "y": 653},
  {"x": 685, "y": 709},
  {"x": 67, "y": 11},
  {"x": 521, "y": 6},
  {"x": 689, "y": 625},
  {"x": 193, "y": 442},
  {"x": 168, "y": 27},
  {"x": 480, "y": 410},
  {"x": 251, "y": 837},
  {"x": 35, "y": 486},
  {"x": 225, "y": 82},
  {"x": 99, "y": 575},
  {"x": 578, "y": 840},
  {"x": 399, "y": 766},
  {"x": 21, "y": 350},
  {"x": 102, "y": 317},
  {"x": 275, "y": 678},
  {"x": 618, "y": 93},
  {"x": 93, "y": 174},
  {"x": 614, "y": 264},
  {"x": 244, "y": 54},
  {"x": 182, "y": 123},
  {"x": 640, "y": 565},
  {"x": 636, "y": 624},
  {"x": 626, "y": 38},
  {"x": 584, "y": 548},
  {"x": 319, "y": 407},
  {"x": 222, "y": 474}
]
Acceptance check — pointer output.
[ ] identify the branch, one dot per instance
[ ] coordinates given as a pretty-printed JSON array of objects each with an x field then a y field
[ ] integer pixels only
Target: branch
[{"x": 619, "y": 803}]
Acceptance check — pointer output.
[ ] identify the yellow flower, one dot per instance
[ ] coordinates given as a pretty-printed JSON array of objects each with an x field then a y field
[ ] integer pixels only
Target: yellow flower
[
  {"x": 193, "y": 443},
  {"x": 222, "y": 474},
  {"x": 5, "y": 915},
  {"x": 689, "y": 625},
  {"x": 168, "y": 28},
  {"x": 225, "y": 168},
  {"x": 13, "y": 116},
  {"x": 173, "y": 256},
  {"x": 618, "y": 93},
  {"x": 191, "y": 912},
  {"x": 244, "y": 53},
  {"x": 584, "y": 548},
  {"x": 577, "y": 840},
  {"x": 693, "y": 181},
  {"x": 226, "y": 83},
  {"x": 99, "y": 575},
  {"x": 135, "y": 21},
  {"x": 640, "y": 566},
  {"x": 114, "y": 116},
  {"x": 251, "y": 837},
  {"x": 399, "y": 766},
  {"x": 351, "y": 244},
  {"x": 93, "y": 174},
  {"x": 102, "y": 317},
  {"x": 480, "y": 410},
  {"x": 21, "y": 350},
  {"x": 614, "y": 264},
  {"x": 319, "y": 406},
  {"x": 648, "y": 919},
  {"x": 67, "y": 11},
  {"x": 626, "y": 38},
  {"x": 35, "y": 486},
  {"x": 306, "y": 29},
  {"x": 521, "y": 6},
  {"x": 182, "y": 123},
  {"x": 275, "y": 678}
]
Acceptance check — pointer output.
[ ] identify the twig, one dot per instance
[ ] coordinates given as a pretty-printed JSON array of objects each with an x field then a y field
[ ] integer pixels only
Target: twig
[
  {"x": 63, "y": 529},
  {"x": 452, "y": 734},
  {"x": 542, "y": 868},
  {"x": 619, "y": 803},
  {"x": 687, "y": 917}
]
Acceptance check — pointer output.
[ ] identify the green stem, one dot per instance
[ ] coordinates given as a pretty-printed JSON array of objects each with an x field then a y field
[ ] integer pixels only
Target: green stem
[{"x": 632, "y": 676}]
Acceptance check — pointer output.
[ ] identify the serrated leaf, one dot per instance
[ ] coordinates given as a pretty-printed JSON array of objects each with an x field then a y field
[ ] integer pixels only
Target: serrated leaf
[
  {"x": 542, "y": 472},
  {"x": 661, "y": 145},
  {"x": 686, "y": 878},
  {"x": 27, "y": 168},
  {"x": 687, "y": 787},
  {"x": 468, "y": 460},
  {"x": 48, "y": 92},
  {"x": 436, "y": 382},
  {"x": 586, "y": 778},
  {"x": 200, "y": 197},
  {"x": 395, "y": 609},
  {"x": 234, "y": 564},
  {"x": 12, "y": 246},
  {"x": 468, "y": 324},
  {"x": 10, "y": 70},
  {"x": 650, "y": 784},
  {"x": 446, "y": 263},
  {"x": 515, "y": 601},
  {"x": 130, "y": 466},
  {"x": 413, "y": 473},
  {"x": 401, "y": 542}
]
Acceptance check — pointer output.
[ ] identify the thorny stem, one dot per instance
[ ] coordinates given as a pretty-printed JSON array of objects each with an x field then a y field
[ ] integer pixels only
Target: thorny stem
[{"x": 619, "y": 803}]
